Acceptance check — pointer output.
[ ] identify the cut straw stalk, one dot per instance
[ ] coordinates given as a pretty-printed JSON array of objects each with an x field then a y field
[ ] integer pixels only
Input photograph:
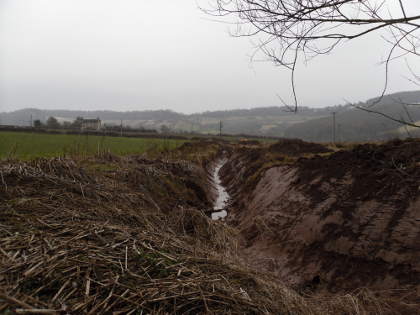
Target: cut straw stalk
[
  {"x": 35, "y": 311},
  {"x": 80, "y": 248}
]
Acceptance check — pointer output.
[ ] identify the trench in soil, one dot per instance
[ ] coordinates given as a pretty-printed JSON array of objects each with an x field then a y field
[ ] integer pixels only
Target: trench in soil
[
  {"x": 333, "y": 223},
  {"x": 222, "y": 196}
]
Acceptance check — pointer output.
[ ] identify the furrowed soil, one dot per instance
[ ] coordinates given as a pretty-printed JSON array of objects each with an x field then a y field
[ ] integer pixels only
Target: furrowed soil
[
  {"x": 322, "y": 221},
  {"x": 307, "y": 226}
]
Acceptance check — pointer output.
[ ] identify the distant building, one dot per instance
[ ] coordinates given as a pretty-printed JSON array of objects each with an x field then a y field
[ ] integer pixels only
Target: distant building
[{"x": 91, "y": 124}]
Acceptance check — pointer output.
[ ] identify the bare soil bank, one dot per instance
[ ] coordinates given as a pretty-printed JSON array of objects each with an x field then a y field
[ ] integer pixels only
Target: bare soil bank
[
  {"x": 112, "y": 235},
  {"x": 335, "y": 222}
]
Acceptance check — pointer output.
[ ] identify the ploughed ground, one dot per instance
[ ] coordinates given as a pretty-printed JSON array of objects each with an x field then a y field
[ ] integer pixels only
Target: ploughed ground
[
  {"x": 130, "y": 235},
  {"x": 326, "y": 221}
]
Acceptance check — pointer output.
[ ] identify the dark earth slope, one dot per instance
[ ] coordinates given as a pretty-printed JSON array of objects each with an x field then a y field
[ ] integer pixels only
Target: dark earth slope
[
  {"x": 111, "y": 235},
  {"x": 330, "y": 221}
]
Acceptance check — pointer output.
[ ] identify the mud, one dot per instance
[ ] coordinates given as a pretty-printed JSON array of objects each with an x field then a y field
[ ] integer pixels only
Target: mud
[
  {"x": 335, "y": 222},
  {"x": 98, "y": 235},
  {"x": 294, "y": 147}
]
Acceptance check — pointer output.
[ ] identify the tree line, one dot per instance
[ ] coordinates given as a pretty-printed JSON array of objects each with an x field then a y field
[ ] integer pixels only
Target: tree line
[{"x": 77, "y": 124}]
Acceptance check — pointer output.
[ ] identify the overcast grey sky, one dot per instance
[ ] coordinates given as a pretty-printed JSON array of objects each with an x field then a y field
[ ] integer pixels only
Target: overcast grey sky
[{"x": 162, "y": 54}]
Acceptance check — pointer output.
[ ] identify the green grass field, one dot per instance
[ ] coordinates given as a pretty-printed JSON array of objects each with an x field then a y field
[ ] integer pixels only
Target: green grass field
[{"x": 31, "y": 145}]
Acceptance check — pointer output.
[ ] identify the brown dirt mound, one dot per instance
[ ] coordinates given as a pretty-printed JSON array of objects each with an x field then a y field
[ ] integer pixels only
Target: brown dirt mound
[
  {"x": 119, "y": 236},
  {"x": 295, "y": 147},
  {"x": 337, "y": 222},
  {"x": 249, "y": 142}
]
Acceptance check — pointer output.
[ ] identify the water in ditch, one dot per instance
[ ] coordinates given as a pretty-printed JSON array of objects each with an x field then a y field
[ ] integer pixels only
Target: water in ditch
[{"x": 222, "y": 195}]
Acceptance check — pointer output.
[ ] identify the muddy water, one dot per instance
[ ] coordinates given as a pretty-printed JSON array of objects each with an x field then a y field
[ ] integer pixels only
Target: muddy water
[{"x": 222, "y": 195}]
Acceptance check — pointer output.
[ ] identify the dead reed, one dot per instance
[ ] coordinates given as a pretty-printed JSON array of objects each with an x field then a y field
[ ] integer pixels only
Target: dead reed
[{"x": 100, "y": 237}]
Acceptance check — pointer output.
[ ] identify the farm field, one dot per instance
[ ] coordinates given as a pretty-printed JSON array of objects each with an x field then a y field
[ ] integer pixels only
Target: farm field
[{"x": 32, "y": 145}]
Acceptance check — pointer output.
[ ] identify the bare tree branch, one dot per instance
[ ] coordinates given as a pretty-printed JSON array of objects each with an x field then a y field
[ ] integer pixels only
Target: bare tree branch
[
  {"x": 290, "y": 28},
  {"x": 401, "y": 121}
]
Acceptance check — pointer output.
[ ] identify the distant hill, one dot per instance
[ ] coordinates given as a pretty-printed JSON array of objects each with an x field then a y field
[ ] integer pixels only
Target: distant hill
[
  {"x": 356, "y": 125},
  {"x": 254, "y": 121},
  {"x": 313, "y": 124},
  {"x": 23, "y": 116}
]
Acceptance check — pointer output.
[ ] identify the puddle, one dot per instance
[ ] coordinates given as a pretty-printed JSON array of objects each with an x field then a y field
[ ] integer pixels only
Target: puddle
[{"x": 222, "y": 195}]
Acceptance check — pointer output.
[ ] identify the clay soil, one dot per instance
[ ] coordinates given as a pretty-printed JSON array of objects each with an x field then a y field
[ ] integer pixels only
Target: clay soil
[
  {"x": 335, "y": 222},
  {"x": 295, "y": 147}
]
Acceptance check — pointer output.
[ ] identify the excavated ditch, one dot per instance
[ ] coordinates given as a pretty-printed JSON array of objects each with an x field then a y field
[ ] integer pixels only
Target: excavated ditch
[
  {"x": 222, "y": 196},
  {"x": 332, "y": 222},
  {"x": 102, "y": 234}
]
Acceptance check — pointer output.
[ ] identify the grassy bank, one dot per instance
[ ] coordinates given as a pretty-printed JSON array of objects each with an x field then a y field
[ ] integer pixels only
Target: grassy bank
[{"x": 32, "y": 145}]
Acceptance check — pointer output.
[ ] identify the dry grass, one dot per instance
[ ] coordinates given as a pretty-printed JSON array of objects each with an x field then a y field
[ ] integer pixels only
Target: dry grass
[{"x": 89, "y": 240}]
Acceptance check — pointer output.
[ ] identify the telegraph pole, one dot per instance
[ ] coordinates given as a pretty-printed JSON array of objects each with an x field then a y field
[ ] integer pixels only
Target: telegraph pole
[
  {"x": 121, "y": 128},
  {"x": 334, "y": 133},
  {"x": 220, "y": 128}
]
